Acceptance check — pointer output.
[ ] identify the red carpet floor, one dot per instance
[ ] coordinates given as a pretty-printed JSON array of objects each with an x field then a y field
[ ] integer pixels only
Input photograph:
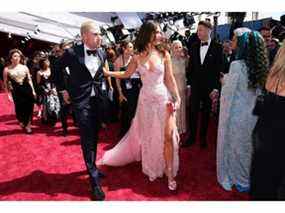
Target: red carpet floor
[{"x": 47, "y": 166}]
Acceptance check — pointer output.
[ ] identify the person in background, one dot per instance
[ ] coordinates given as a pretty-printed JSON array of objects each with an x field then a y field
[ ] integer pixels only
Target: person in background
[
  {"x": 18, "y": 82},
  {"x": 271, "y": 48},
  {"x": 33, "y": 65},
  {"x": 205, "y": 65},
  {"x": 128, "y": 89},
  {"x": 65, "y": 108},
  {"x": 179, "y": 63},
  {"x": 47, "y": 94},
  {"x": 2, "y": 65},
  {"x": 228, "y": 54},
  {"x": 114, "y": 107}
]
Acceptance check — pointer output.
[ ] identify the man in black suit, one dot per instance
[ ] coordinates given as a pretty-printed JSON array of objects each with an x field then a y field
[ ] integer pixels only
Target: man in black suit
[
  {"x": 272, "y": 49},
  {"x": 228, "y": 55},
  {"x": 206, "y": 63},
  {"x": 86, "y": 91}
]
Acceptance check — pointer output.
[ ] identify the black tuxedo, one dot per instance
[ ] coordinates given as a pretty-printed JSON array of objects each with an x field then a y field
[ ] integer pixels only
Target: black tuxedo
[
  {"x": 64, "y": 108},
  {"x": 88, "y": 110},
  {"x": 227, "y": 61},
  {"x": 204, "y": 78},
  {"x": 80, "y": 80}
]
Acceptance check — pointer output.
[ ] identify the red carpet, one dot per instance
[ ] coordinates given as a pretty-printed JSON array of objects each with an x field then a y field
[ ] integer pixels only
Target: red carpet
[{"x": 47, "y": 166}]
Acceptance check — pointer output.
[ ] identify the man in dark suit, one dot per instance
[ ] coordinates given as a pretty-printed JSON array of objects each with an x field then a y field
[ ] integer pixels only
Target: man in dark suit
[
  {"x": 228, "y": 55},
  {"x": 65, "y": 109},
  {"x": 86, "y": 91},
  {"x": 206, "y": 63},
  {"x": 271, "y": 48}
]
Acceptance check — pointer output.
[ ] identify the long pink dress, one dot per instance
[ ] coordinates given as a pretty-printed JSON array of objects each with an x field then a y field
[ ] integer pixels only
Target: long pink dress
[{"x": 145, "y": 139}]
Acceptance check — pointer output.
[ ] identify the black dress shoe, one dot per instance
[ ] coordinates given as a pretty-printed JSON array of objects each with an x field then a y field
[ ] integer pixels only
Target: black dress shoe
[{"x": 97, "y": 194}]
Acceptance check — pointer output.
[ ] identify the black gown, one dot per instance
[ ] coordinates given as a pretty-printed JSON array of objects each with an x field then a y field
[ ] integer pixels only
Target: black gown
[
  {"x": 23, "y": 99},
  {"x": 268, "y": 162},
  {"x": 129, "y": 107},
  {"x": 49, "y": 99}
]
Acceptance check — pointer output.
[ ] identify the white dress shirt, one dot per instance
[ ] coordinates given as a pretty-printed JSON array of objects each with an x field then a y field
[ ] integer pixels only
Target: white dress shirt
[
  {"x": 92, "y": 63},
  {"x": 204, "y": 50}
]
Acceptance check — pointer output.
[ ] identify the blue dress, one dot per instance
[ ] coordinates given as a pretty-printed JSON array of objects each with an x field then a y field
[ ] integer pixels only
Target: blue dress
[{"x": 236, "y": 123}]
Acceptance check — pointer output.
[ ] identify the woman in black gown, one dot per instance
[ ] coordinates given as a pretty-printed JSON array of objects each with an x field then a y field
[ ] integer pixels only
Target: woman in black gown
[
  {"x": 17, "y": 80},
  {"x": 47, "y": 94},
  {"x": 268, "y": 162},
  {"x": 128, "y": 89}
]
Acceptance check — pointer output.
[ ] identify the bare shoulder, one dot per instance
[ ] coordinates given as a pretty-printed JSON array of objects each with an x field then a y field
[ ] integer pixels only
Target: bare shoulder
[
  {"x": 167, "y": 54},
  {"x": 167, "y": 57},
  {"x": 6, "y": 70},
  {"x": 136, "y": 59}
]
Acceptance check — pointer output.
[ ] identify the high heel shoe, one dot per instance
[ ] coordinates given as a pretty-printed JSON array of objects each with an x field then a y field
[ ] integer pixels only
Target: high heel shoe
[
  {"x": 28, "y": 130},
  {"x": 172, "y": 185}
]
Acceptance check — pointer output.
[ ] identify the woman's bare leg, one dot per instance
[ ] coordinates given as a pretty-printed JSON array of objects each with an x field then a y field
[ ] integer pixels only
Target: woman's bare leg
[{"x": 169, "y": 149}]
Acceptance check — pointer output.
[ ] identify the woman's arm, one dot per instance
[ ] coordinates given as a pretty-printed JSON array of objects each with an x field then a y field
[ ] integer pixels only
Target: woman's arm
[
  {"x": 6, "y": 86},
  {"x": 117, "y": 66},
  {"x": 117, "y": 74},
  {"x": 30, "y": 80},
  {"x": 118, "y": 81},
  {"x": 110, "y": 82},
  {"x": 170, "y": 80},
  {"x": 38, "y": 77},
  {"x": 5, "y": 79}
]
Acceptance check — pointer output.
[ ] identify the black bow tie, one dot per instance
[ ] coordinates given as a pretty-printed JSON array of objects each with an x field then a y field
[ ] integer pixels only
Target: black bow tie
[
  {"x": 91, "y": 52},
  {"x": 204, "y": 44}
]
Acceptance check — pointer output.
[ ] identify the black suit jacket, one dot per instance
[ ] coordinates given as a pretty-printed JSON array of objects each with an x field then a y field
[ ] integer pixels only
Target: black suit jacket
[
  {"x": 227, "y": 62},
  {"x": 80, "y": 80},
  {"x": 205, "y": 77}
]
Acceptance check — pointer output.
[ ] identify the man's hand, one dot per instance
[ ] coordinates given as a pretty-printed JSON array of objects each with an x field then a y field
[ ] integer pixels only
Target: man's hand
[
  {"x": 106, "y": 72},
  {"x": 122, "y": 98},
  {"x": 214, "y": 94},
  {"x": 177, "y": 104},
  {"x": 35, "y": 95},
  {"x": 222, "y": 80}
]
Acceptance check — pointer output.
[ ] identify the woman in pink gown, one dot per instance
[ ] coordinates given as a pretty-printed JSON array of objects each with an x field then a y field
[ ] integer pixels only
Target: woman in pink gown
[{"x": 153, "y": 137}]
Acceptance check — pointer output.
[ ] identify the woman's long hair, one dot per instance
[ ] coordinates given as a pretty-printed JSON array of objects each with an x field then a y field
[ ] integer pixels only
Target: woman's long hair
[
  {"x": 12, "y": 52},
  {"x": 145, "y": 37},
  {"x": 278, "y": 67},
  {"x": 123, "y": 47},
  {"x": 251, "y": 48}
]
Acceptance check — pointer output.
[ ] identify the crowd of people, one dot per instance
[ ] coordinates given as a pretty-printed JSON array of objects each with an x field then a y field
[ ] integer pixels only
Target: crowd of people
[{"x": 144, "y": 85}]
